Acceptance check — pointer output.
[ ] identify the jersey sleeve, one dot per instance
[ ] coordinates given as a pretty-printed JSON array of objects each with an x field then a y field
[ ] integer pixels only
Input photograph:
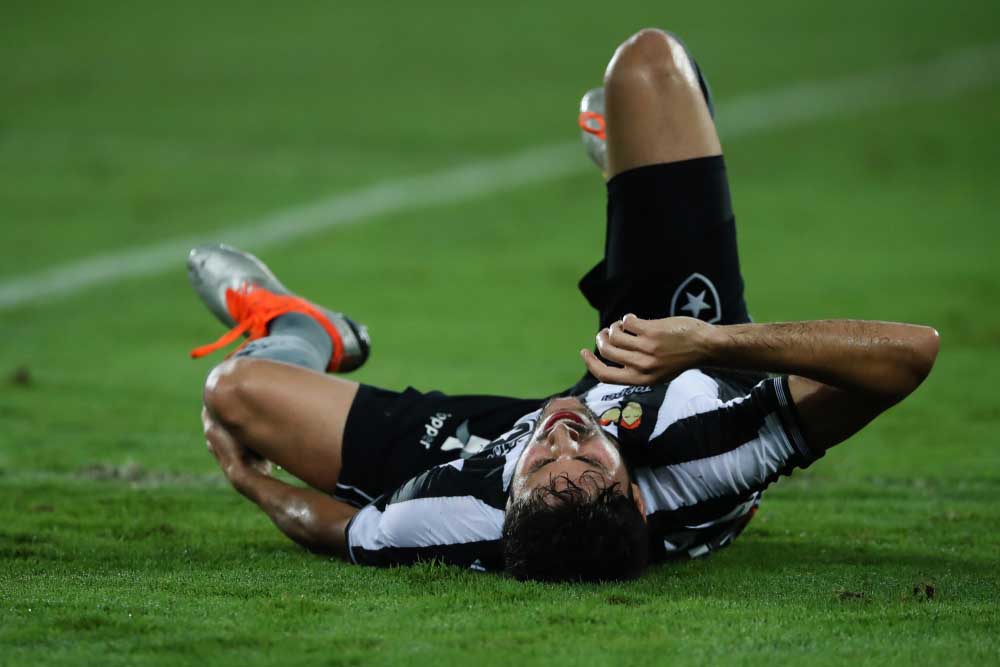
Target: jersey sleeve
[
  {"x": 434, "y": 516},
  {"x": 709, "y": 452}
]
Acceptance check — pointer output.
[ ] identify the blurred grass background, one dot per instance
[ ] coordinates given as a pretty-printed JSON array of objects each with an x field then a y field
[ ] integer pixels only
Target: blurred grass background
[{"x": 126, "y": 124}]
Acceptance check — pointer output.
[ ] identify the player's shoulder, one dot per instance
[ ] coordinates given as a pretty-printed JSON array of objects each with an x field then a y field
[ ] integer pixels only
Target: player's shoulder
[
  {"x": 604, "y": 396},
  {"x": 442, "y": 480},
  {"x": 695, "y": 382},
  {"x": 458, "y": 478},
  {"x": 635, "y": 414},
  {"x": 733, "y": 383}
]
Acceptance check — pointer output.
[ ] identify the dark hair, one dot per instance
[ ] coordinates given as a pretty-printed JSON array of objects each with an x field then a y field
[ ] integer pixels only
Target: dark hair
[{"x": 574, "y": 534}]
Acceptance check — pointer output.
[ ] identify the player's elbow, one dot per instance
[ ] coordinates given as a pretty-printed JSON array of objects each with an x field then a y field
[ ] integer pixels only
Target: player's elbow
[
  {"x": 921, "y": 350},
  {"x": 926, "y": 346}
]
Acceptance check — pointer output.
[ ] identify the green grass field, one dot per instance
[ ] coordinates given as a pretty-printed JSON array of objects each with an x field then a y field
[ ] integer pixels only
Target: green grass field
[{"x": 128, "y": 124}]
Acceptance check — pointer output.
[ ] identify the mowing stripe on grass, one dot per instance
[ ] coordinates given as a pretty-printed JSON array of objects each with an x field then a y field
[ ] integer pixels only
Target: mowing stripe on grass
[
  {"x": 780, "y": 108},
  {"x": 131, "y": 475}
]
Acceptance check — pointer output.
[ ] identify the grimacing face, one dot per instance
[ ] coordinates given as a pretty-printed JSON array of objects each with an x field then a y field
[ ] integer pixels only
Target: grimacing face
[{"x": 569, "y": 445}]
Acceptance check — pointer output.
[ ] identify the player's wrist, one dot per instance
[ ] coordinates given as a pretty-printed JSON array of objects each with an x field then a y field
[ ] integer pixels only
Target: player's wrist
[
  {"x": 713, "y": 343},
  {"x": 244, "y": 479}
]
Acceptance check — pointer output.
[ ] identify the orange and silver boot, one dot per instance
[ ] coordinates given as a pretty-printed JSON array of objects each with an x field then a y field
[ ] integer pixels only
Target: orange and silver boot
[
  {"x": 245, "y": 295},
  {"x": 592, "y": 128}
]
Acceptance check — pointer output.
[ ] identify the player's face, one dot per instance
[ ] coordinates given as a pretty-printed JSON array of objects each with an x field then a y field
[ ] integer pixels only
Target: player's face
[{"x": 568, "y": 446}]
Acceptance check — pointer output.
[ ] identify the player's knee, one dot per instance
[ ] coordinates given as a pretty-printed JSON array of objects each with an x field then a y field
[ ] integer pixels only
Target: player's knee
[
  {"x": 228, "y": 390},
  {"x": 650, "y": 57}
]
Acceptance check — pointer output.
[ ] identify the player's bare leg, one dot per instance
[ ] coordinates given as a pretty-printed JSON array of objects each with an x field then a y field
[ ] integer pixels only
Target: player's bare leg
[
  {"x": 655, "y": 111},
  {"x": 291, "y": 416},
  {"x": 273, "y": 397},
  {"x": 650, "y": 130},
  {"x": 310, "y": 517}
]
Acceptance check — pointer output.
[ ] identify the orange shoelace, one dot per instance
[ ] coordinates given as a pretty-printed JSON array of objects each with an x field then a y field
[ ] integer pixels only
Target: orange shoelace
[
  {"x": 253, "y": 307},
  {"x": 592, "y": 122}
]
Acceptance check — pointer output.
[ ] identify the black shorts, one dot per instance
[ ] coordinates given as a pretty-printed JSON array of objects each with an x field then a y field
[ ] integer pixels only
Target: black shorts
[
  {"x": 670, "y": 250},
  {"x": 391, "y": 436},
  {"x": 670, "y": 247}
]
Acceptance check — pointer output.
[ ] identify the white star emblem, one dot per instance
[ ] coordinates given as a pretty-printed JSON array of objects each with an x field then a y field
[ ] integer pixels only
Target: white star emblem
[
  {"x": 701, "y": 296},
  {"x": 695, "y": 304}
]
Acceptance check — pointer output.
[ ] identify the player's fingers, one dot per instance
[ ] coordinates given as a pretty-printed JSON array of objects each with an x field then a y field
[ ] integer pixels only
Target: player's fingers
[
  {"x": 611, "y": 351},
  {"x": 605, "y": 373},
  {"x": 618, "y": 337},
  {"x": 639, "y": 333},
  {"x": 635, "y": 325}
]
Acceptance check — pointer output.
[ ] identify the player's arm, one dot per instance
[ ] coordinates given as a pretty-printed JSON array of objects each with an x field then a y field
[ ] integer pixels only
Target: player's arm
[
  {"x": 843, "y": 373},
  {"x": 308, "y": 517}
]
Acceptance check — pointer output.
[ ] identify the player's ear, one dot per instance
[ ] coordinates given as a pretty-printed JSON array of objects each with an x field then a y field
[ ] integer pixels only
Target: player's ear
[{"x": 640, "y": 504}]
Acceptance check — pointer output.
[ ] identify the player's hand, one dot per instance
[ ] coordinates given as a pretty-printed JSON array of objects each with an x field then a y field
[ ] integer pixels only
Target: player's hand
[
  {"x": 649, "y": 351},
  {"x": 236, "y": 461}
]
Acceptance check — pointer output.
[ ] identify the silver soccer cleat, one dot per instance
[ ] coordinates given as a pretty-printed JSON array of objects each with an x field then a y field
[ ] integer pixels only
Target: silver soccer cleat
[
  {"x": 215, "y": 268},
  {"x": 592, "y": 127}
]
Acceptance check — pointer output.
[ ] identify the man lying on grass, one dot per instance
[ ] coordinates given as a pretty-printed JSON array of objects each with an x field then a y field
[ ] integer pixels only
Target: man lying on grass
[{"x": 663, "y": 448}]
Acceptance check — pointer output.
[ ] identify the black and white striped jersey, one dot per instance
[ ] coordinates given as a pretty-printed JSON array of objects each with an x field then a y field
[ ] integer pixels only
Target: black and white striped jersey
[{"x": 702, "y": 448}]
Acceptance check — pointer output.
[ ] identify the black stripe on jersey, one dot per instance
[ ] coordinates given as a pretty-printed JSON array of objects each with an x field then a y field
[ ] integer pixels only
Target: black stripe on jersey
[
  {"x": 347, "y": 533},
  {"x": 486, "y": 555},
  {"x": 733, "y": 384},
  {"x": 694, "y": 542},
  {"x": 353, "y": 502},
  {"x": 699, "y": 542},
  {"x": 789, "y": 416},
  {"x": 447, "y": 481},
  {"x": 710, "y": 433},
  {"x": 351, "y": 495},
  {"x": 665, "y": 522}
]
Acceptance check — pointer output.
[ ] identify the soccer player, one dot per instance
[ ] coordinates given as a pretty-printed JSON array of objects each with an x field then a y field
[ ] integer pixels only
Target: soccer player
[{"x": 646, "y": 458}]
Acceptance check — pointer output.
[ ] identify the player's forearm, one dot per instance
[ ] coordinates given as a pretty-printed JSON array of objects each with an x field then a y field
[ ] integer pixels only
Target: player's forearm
[
  {"x": 308, "y": 517},
  {"x": 885, "y": 359}
]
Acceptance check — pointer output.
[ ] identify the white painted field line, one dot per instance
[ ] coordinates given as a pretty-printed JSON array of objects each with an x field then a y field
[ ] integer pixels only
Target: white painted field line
[
  {"x": 956, "y": 72},
  {"x": 780, "y": 108},
  {"x": 442, "y": 187}
]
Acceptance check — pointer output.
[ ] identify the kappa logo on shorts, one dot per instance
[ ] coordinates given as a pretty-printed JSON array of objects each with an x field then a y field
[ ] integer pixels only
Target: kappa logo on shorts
[
  {"x": 433, "y": 427},
  {"x": 469, "y": 444},
  {"x": 697, "y": 297}
]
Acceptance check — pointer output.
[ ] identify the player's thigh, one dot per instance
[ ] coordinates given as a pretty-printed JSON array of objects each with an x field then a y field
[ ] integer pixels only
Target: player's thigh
[
  {"x": 290, "y": 415},
  {"x": 655, "y": 111}
]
